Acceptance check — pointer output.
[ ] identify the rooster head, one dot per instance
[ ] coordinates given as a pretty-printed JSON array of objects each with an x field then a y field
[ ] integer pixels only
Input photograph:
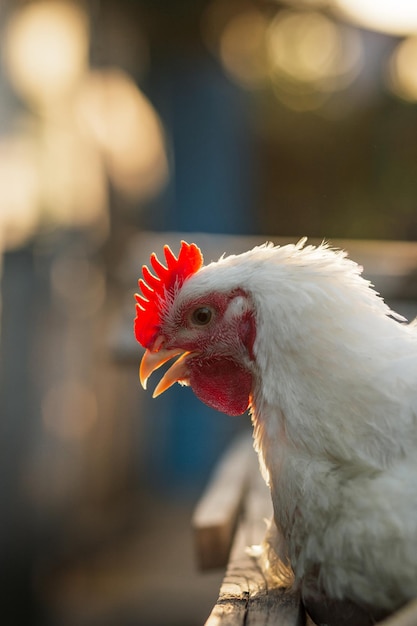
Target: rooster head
[{"x": 210, "y": 330}]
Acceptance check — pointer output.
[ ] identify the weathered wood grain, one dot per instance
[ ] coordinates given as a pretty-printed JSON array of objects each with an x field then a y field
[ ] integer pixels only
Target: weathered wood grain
[
  {"x": 405, "y": 617},
  {"x": 245, "y": 598},
  {"x": 214, "y": 520}
]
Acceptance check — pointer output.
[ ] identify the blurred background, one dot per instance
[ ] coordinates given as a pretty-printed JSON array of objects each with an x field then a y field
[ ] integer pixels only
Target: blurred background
[{"x": 121, "y": 121}]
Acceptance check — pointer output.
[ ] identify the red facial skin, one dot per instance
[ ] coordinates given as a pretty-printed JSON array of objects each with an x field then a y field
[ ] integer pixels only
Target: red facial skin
[
  {"x": 222, "y": 384},
  {"x": 217, "y": 369}
]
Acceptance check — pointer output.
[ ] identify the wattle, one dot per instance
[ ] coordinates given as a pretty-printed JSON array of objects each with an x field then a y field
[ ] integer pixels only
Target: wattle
[{"x": 222, "y": 384}]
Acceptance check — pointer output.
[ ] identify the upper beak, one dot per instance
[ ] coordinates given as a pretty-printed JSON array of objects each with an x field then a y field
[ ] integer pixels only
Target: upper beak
[{"x": 152, "y": 360}]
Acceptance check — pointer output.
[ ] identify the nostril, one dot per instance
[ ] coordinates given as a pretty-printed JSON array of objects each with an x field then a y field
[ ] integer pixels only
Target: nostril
[{"x": 158, "y": 344}]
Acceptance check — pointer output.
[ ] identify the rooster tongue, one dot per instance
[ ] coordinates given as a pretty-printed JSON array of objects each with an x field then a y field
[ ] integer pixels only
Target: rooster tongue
[{"x": 151, "y": 361}]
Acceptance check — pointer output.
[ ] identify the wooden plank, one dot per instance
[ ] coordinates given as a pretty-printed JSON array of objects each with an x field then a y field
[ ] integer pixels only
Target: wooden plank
[
  {"x": 405, "y": 617},
  {"x": 245, "y": 598},
  {"x": 214, "y": 520}
]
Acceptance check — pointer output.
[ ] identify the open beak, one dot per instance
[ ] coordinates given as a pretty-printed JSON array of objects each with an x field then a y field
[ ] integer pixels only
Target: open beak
[{"x": 178, "y": 372}]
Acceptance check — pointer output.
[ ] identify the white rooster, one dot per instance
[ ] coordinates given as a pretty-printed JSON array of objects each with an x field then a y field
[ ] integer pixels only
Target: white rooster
[{"x": 329, "y": 373}]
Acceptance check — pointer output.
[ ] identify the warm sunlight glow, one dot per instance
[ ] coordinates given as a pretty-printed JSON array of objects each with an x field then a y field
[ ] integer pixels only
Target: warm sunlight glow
[
  {"x": 402, "y": 70},
  {"x": 127, "y": 128},
  {"x": 397, "y": 17},
  {"x": 45, "y": 50},
  {"x": 311, "y": 57},
  {"x": 303, "y": 45},
  {"x": 242, "y": 48},
  {"x": 20, "y": 192},
  {"x": 73, "y": 178}
]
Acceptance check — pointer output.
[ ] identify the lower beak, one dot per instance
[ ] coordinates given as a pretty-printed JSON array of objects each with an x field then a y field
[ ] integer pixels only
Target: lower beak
[{"x": 151, "y": 361}]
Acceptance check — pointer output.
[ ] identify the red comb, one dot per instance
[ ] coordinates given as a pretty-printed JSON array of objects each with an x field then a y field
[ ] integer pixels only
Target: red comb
[{"x": 155, "y": 289}]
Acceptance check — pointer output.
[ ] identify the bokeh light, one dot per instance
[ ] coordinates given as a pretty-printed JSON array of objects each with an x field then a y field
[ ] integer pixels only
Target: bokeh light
[
  {"x": 88, "y": 127},
  {"x": 402, "y": 70},
  {"x": 46, "y": 50},
  {"x": 73, "y": 178},
  {"x": 311, "y": 57},
  {"x": 242, "y": 48},
  {"x": 397, "y": 17},
  {"x": 127, "y": 129},
  {"x": 20, "y": 191}
]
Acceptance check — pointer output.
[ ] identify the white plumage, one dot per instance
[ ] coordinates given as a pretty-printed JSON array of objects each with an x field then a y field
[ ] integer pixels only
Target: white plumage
[{"x": 334, "y": 410}]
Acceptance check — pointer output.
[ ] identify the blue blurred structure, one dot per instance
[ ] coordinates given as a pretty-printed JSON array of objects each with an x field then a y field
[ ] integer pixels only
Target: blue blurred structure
[
  {"x": 206, "y": 119},
  {"x": 211, "y": 190},
  {"x": 20, "y": 536}
]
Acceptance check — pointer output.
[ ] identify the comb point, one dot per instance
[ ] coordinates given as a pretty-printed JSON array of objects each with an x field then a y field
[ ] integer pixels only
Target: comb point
[
  {"x": 156, "y": 289},
  {"x": 153, "y": 281},
  {"x": 147, "y": 291},
  {"x": 160, "y": 269},
  {"x": 170, "y": 257}
]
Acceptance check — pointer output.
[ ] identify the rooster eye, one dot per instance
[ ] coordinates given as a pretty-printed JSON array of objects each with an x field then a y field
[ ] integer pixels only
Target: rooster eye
[{"x": 201, "y": 316}]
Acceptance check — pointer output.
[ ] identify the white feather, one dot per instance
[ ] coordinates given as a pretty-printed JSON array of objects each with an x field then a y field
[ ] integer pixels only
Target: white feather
[{"x": 334, "y": 414}]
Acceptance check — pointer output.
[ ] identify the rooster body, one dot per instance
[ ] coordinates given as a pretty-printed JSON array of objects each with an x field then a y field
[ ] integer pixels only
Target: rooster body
[{"x": 330, "y": 377}]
